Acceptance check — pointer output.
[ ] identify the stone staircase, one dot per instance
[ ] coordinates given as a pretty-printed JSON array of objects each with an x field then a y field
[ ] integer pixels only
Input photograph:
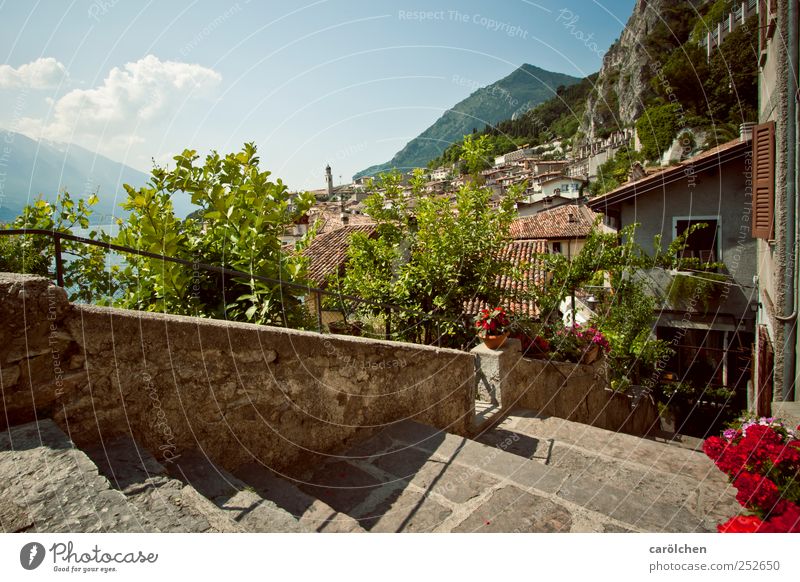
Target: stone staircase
[
  {"x": 117, "y": 486},
  {"x": 527, "y": 474},
  {"x": 650, "y": 485}
]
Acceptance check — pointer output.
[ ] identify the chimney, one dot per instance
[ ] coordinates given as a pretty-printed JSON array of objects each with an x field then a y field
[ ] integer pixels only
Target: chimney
[{"x": 746, "y": 131}]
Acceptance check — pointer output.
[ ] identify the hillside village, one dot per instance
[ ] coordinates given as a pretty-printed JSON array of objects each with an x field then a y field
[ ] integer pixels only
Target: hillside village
[{"x": 631, "y": 253}]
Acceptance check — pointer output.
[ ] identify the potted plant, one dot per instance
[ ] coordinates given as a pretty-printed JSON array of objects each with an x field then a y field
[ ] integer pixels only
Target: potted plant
[
  {"x": 492, "y": 326},
  {"x": 594, "y": 343},
  {"x": 579, "y": 345},
  {"x": 531, "y": 337}
]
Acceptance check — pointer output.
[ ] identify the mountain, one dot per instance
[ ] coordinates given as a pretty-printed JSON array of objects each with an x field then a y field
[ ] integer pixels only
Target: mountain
[
  {"x": 626, "y": 86},
  {"x": 520, "y": 91},
  {"x": 29, "y": 168}
]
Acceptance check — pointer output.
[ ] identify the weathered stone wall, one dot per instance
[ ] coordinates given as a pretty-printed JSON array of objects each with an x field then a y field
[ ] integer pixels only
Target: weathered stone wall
[
  {"x": 239, "y": 392},
  {"x": 579, "y": 393},
  {"x": 565, "y": 390}
]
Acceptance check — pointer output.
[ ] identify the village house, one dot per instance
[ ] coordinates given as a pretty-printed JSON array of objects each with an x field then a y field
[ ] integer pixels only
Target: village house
[
  {"x": 708, "y": 314},
  {"x": 563, "y": 229}
]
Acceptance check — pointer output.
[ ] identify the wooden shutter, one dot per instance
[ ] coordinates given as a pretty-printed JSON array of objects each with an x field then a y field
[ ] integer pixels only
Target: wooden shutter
[
  {"x": 764, "y": 180},
  {"x": 762, "y": 24}
]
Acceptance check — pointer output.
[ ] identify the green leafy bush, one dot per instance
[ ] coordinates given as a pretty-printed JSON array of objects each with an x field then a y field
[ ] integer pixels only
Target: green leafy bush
[{"x": 656, "y": 129}]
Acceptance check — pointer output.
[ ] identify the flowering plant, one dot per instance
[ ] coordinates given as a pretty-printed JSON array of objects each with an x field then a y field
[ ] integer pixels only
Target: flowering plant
[
  {"x": 592, "y": 336},
  {"x": 572, "y": 343},
  {"x": 762, "y": 460},
  {"x": 492, "y": 322}
]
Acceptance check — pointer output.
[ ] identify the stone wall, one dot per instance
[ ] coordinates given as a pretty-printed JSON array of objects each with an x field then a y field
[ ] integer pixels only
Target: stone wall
[
  {"x": 579, "y": 393},
  {"x": 574, "y": 392},
  {"x": 237, "y": 391}
]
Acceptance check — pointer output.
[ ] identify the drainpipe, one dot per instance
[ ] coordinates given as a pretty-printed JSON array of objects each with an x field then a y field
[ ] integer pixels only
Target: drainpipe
[{"x": 789, "y": 307}]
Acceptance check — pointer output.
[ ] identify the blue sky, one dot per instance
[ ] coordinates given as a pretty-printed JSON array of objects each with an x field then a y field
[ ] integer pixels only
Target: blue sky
[{"x": 345, "y": 82}]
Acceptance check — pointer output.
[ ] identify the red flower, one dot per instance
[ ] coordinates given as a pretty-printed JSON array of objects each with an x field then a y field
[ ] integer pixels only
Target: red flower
[
  {"x": 741, "y": 524},
  {"x": 714, "y": 447},
  {"x": 783, "y": 455},
  {"x": 756, "y": 492},
  {"x": 733, "y": 460},
  {"x": 785, "y": 519},
  {"x": 762, "y": 435}
]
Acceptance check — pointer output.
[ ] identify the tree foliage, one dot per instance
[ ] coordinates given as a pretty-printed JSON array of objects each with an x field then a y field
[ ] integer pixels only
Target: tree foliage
[
  {"x": 239, "y": 226},
  {"x": 86, "y": 274},
  {"x": 615, "y": 171},
  {"x": 627, "y": 317},
  {"x": 430, "y": 256},
  {"x": 657, "y": 128},
  {"x": 241, "y": 218}
]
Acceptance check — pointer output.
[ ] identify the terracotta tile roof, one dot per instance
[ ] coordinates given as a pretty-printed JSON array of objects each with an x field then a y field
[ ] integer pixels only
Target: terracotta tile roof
[
  {"x": 327, "y": 253},
  {"x": 523, "y": 254},
  {"x": 330, "y": 216},
  {"x": 554, "y": 223}
]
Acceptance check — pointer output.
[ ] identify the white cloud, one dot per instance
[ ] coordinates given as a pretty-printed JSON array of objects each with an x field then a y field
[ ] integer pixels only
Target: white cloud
[
  {"x": 132, "y": 98},
  {"x": 43, "y": 73}
]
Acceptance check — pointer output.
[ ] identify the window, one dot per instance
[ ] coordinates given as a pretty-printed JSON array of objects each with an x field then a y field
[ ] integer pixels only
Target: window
[
  {"x": 556, "y": 248},
  {"x": 703, "y": 243},
  {"x": 764, "y": 181}
]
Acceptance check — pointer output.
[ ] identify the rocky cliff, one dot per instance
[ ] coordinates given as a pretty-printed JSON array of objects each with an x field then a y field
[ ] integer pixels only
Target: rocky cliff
[{"x": 624, "y": 83}]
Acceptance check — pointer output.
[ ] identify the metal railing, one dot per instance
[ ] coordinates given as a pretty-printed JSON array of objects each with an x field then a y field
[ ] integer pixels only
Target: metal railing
[{"x": 385, "y": 308}]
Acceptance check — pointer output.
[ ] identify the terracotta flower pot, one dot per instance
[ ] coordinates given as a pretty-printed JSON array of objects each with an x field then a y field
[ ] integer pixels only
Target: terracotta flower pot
[
  {"x": 591, "y": 355},
  {"x": 495, "y": 341}
]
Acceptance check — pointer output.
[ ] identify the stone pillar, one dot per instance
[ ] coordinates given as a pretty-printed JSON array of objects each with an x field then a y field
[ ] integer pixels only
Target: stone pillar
[{"x": 493, "y": 369}]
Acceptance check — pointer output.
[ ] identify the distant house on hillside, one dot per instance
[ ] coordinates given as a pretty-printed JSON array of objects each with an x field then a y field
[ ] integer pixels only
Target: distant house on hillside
[
  {"x": 554, "y": 184},
  {"x": 525, "y": 209},
  {"x": 328, "y": 216},
  {"x": 710, "y": 323}
]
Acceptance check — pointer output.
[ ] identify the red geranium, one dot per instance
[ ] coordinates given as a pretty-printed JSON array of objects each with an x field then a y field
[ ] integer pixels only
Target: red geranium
[
  {"x": 762, "y": 460},
  {"x": 785, "y": 519},
  {"x": 492, "y": 322},
  {"x": 741, "y": 524},
  {"x": 764, "y": 435},
  {"x": 714, "y": 447},
  {"x": 756, "y": 492}
]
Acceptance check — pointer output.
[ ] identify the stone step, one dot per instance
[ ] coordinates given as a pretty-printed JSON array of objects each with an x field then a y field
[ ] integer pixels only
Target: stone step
[
  {"x": 622, "y": 446},
  {"x": 237, "y": 499},
  {"x": 649, "y": 471},
  {"x": 413, "y": 478},
  {"x": 50, "y": 486},
  {"x": 312, "y": 513},
  {"x": 169, "y": 504},
  {"x": 487, "y": 416}
]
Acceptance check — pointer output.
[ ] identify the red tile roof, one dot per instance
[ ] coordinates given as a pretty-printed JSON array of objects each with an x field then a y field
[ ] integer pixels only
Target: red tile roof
[
  {"x": 523, "y": 254},
  {"x": 554, "y": 223},
  {"x": 330, "y": 216},
  {"x": 327, "y": 253}
]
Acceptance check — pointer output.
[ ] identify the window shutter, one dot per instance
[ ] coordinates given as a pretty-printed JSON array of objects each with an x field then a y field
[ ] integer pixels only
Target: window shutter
[{"x": 764, "y": 180}]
